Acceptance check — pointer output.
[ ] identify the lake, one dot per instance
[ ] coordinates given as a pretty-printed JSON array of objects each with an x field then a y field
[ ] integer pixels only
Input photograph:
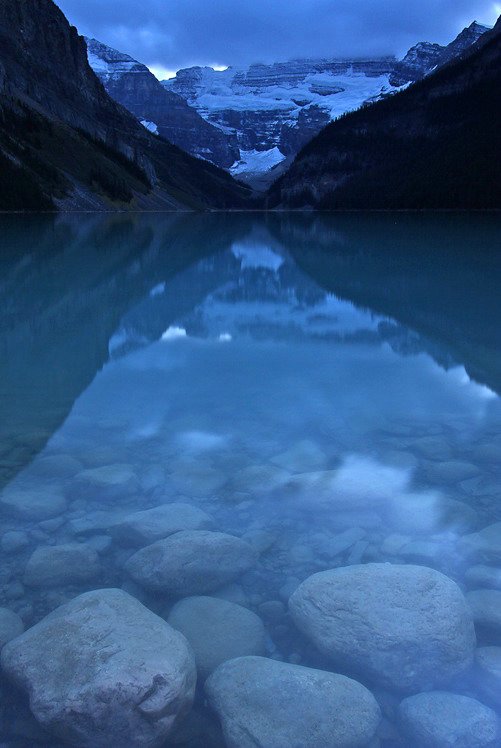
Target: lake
[{"x": 325, "y": 388}]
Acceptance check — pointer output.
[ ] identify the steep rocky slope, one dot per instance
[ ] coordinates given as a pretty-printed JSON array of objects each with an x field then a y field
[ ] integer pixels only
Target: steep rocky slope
[
  {"x": 435, "y": 145},
  {"x": 131, "y": 84},
  {"x": 65, "y": 143},
  {"x": 425, "y": 57}
]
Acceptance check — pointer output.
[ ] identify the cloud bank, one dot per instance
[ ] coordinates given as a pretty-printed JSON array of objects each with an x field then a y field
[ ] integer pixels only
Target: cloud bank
[{"x": 172, "y": 34}]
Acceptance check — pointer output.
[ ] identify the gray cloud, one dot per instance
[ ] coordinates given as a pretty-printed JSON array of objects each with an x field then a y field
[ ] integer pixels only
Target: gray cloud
[{"x": 179, "y": 33}]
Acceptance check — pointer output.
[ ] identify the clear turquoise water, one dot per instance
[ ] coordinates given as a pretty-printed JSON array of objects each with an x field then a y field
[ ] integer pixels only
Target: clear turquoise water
[{"x": 326, "y": 387}]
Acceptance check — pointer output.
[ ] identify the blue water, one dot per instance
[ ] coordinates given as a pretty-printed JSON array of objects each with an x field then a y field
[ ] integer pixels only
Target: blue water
[{"x": 325, "y": 387}]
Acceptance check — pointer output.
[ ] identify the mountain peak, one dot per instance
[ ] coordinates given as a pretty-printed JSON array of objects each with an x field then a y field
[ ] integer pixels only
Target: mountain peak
[{"x": 480, "y": 27}]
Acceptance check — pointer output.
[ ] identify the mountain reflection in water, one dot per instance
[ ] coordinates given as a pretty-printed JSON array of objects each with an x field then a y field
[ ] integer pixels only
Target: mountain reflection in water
[{"x": 325, "y": 386}]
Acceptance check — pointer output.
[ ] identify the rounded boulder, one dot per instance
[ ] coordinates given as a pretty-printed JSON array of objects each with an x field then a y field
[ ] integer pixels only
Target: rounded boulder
[
  {"x": 103, "y": 670},
  {"x": 263, "y": 703},
  {"x": 439, "y": 719},
  {"x": 191, "y": 562},
  {"x": 406, "y": 628},
  {"x": 218, "y": 630}
]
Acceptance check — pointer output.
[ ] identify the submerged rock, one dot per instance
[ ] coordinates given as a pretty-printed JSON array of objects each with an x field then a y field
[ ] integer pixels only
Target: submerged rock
[
  {"x": 268, "y": 704},
  {"x": 439, "y": 719},
  {"x": 56, "y": 565},
  {"x": 451, "y": 471},
  {"x": 301, "y": 457},
  {"x": 56, "y": 466},
  {"x": 11, "y": 626},
  {"x": 405, "y": 627},
  {"x": 433, "y": 447},
  {"x": 92, "y": 523},
  {"x": 104, "y": 671},
  {"x": 488, "y": 673},
  {"x": 483, "y": 576},
  {"x": 486, "y": 608},
  {"x": 32, "y": 503},
  {"x": 217, "y": 630},
  {"x": 106, "y": 482},
  {"x": 191, "y": 562},
  {"x": 14, "y": 541},
  {"x": 259, "y": 479},
  {"x": 195, "y": 478},
  {"x": 484, "y": 544},
  {"x": 430, "y": 513},
  {"x": 142, "y": 528}
]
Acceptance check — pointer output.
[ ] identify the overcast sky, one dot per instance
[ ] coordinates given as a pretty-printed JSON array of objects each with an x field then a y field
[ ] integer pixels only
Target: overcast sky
[{"x": 170, "y": 34}]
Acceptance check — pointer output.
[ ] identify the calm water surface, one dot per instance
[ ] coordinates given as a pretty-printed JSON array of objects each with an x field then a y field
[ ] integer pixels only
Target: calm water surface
[{"x": 326, "y": 388}]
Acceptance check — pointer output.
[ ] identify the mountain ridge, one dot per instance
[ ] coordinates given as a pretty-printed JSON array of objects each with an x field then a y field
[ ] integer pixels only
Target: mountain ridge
[
  {"x": 435, "y": 145},
  {"x": 65, "y": 144},
  {"x": 276, "y": 108}
]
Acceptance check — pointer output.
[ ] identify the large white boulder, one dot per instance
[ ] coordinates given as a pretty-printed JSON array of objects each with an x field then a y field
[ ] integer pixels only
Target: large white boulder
[
  {"x": 191, "y": 562},
  {"x": 404, "y": 627},
  {"x": 104, "y": 671},
  {"x": 439, "y": 719},
  {"x": 218, "y": 630},
  {"x": 263, "y": 703}
]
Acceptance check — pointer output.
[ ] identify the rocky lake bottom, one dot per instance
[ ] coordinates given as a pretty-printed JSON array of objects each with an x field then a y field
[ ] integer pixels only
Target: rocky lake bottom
[{"x": 251, "y": 483}]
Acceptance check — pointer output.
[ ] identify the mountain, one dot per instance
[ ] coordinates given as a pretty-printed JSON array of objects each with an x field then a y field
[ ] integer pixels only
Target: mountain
[
  {"x": 65, "y": 144},
  {"x": 274, "y": 110},
  {"x": 436, "y": 144},
  {"x": 425, "y": 57},
  {"x": 163, "y": 112}
]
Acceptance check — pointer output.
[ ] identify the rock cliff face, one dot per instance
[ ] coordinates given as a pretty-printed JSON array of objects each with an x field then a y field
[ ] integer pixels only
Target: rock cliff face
[
  {"x": 434, "y": 145},
  {"x": 419, "y": 60},
  {"x": 276, "y": 109},
  {"x": 425, "y": 57},
  {"x": 65, "y": 143},
  {"x": 165, "y": 113}
]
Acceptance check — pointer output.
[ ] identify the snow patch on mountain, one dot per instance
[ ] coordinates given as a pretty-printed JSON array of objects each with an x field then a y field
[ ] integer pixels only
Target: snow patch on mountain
[
  {"x": 150, "y": 126},
  {"x": 257, "y": 161}
]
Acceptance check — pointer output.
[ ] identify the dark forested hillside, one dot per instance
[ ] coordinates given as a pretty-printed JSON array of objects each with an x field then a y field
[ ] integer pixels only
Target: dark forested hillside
[
  {"x": 64, "y": 143},
  {"x": 436, "y": 144}
]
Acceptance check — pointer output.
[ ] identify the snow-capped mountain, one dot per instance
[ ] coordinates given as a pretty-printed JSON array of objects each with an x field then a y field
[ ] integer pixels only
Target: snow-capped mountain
[
  {"x": 274, "y": 110},
  {"x": 252, "y": 121},
  {"x": 161, "y": 111}
]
